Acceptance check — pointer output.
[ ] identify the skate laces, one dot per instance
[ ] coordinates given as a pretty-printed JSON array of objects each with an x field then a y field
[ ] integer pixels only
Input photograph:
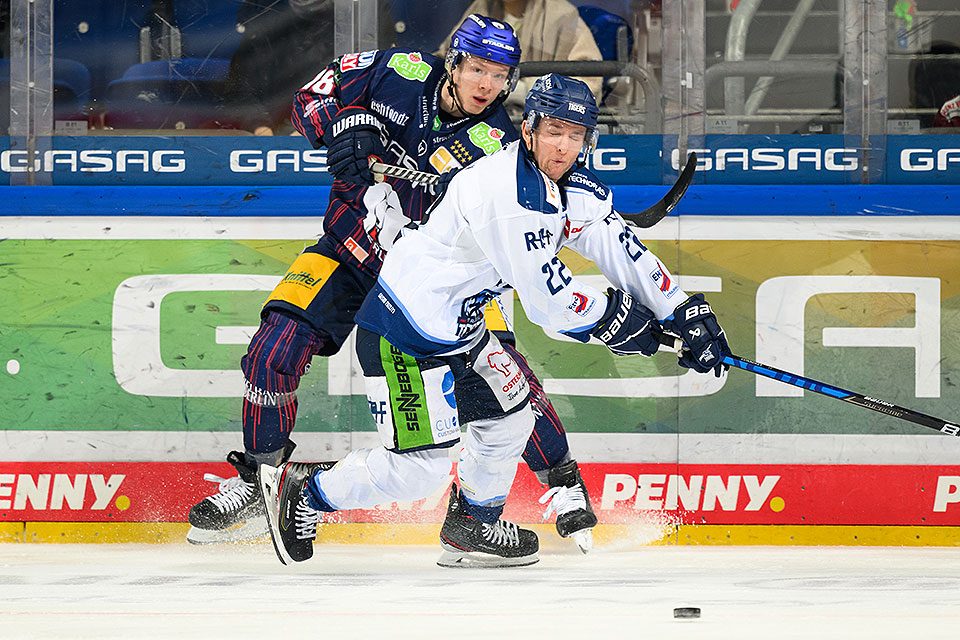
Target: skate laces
[
  {"x": 503, "y": 533},
  {"x": 564, "y": 500},
  {"x": 232, "y": 492},
  {"x": 306, "y": 519}
]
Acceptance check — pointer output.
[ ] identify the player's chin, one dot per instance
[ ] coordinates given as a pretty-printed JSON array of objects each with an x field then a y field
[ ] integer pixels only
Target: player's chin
[{"x": 478, "y": 104}]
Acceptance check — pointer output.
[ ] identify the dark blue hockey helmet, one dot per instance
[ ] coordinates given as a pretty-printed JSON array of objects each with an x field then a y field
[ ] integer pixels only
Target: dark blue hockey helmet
[
  {"x": 563, "y": 98},
  {"x": 489, "y": 39}
]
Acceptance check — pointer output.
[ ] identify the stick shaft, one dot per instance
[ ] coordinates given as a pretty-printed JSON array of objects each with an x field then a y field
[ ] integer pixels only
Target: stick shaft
[
  {"x": 867, "y": 402},
  {"x": 673, "y": 343},
  {"x": 402, "y": 173}
]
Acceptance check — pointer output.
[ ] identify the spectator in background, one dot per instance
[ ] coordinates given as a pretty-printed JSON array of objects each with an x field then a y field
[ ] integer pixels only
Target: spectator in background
[
  {"x": 284, "y": 43},
  {"x": 934, "y": 78},
  {"x": 949, "y": 114},
  {"x": 548, "y": 30}
]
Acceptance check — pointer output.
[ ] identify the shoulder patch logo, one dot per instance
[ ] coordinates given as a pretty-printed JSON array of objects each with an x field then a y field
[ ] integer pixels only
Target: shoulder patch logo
[
  {"x": 486, "y": 137},
  {"x": 410, "y": 66},
  {"x": 354, "y": 61}
]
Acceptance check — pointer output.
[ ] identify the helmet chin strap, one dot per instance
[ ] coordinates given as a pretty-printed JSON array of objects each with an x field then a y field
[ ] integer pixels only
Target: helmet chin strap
[{"x": 452, "y": 91}]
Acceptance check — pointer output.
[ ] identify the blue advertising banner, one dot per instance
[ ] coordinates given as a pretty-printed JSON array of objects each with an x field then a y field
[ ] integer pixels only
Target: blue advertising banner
[
  {"x": 619, "y": 160},
  {"x": 923, "y": 159},
  {"x": 250, "y": 160}
]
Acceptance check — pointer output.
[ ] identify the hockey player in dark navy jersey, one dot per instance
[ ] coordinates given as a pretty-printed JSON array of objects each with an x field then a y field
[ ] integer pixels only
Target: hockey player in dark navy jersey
[{"x": 405, "y": 108}]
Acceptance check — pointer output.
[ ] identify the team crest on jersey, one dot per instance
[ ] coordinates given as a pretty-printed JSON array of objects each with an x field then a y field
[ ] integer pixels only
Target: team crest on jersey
[
  {"x": 663, "y": 281},
  {"x": 581, "y": 304},
  {"x": 410, "y": 66},
  {"x": 354, "y": 61},
  {"x": 486, "y": 137}
]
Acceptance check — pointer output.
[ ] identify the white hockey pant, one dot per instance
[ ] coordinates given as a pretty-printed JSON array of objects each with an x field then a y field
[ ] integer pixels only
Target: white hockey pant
[
  {"x": 488, "y": 464},
  {"x": 491, "y": 452}
]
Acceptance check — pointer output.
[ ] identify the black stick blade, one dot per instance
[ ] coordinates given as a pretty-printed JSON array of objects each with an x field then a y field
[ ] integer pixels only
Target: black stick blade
[{"x": 649, "y": 217}]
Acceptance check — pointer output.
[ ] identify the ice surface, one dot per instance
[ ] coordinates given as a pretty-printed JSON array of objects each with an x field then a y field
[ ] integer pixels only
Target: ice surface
[{"x": 242, "y": 591}]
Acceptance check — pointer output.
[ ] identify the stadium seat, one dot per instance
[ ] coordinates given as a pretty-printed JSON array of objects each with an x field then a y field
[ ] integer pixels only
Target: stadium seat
[
  {"x": 605, "y": 27},
  {"x": 71, "y": 90},
  {"x": 168, "y": 94}
]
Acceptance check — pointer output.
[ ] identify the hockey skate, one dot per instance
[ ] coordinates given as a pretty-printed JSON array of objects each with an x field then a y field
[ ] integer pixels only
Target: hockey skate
[
  {"x": 235, "y": 513},
  {"x": 568, "y": 497},
  {"x": 467, "y": 542},
  {"x": 292, "y": 521}
]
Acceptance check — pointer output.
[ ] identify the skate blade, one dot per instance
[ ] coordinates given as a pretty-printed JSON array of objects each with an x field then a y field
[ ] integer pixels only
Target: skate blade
[
  {"x": 456, "y": 559},
  {"x": 253, "y": 529},
  {"x": 269, "y": 478},
  {"x": 584, "y": 539}
]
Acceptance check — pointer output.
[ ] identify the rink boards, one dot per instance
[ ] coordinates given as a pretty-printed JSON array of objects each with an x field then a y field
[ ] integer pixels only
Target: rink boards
[{"x": 120, "y": 381}]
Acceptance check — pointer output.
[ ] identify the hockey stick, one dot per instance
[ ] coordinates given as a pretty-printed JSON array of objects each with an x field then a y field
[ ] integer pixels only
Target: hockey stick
[
  {"x": 649, "y": 217},
  {"x": 673, "y": 343},
  {"x": 402, "y": 173},
  {"x": 644, "y": 219}
]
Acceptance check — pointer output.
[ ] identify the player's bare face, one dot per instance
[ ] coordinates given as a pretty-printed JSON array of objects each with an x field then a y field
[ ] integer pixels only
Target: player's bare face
[
  {"x": 478, "y": 82},
  {"x": 556, "y": 144}
]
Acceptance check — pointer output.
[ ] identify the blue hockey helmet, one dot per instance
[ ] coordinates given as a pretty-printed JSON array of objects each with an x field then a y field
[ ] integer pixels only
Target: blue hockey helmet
[
  {"x": 489, "y": 39},
  {"x": 563, "y": 98}
]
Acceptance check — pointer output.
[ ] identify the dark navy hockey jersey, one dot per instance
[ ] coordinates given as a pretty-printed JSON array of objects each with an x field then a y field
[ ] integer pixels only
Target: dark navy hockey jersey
[{"x": 402, "y": 88}]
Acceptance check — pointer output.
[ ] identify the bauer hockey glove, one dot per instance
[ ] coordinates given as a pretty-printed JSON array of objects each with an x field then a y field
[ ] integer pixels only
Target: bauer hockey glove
[
  {"x": 352, "y": 138},
  {"x": 625, "y": 326},
  {"x": 385, "y": 219},
  {"x": 695, "y": 322}
]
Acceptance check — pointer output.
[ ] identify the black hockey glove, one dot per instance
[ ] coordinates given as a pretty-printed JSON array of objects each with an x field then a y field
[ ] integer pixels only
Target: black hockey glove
[
  {"x": 352, "y": 138},
  {"x": 625, "y": 326},
  {"x": 444, "y": 181},
  {"x": 695, "y": 322}
]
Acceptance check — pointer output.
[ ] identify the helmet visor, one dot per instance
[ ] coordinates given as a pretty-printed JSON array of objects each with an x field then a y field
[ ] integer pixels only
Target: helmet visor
[
  {"x": 477, "y": 71},
  {"x": 561, "y": 134}
]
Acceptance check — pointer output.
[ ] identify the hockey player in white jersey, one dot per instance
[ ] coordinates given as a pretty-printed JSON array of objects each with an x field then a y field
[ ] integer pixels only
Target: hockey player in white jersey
[{"x": 430, "y": 362}]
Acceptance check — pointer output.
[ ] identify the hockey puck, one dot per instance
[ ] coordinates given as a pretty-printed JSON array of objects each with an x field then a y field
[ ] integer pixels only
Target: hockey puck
[{"x": 686, "y": 612}]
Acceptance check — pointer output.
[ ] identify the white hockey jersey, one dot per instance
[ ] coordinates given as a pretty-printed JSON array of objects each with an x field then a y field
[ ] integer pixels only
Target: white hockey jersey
[{"x": 500, "y": 225}]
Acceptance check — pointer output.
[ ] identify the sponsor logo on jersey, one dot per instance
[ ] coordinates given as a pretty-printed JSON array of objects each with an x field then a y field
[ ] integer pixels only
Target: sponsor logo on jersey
[
  {"x": 304, "y": 278},
  {"x": 447, "y": 387},
  {"x": 577, "y": 178},
  {"x": 569, "y": 230},
  {"x": 500, "y": 361},
  {"x": 354, "y": 61},
  {"x": 391, "y": 114},
  {"x": 663, "y": 281},
  {"x": 358, "y": 252},
  {"x": 407, "y": 398},
  {"x": 378, "y": 409},
  {"x": 486, "y": 137},
  {"x": 538, "y": 240},
  {"x": 410, "y": 66},
  {"x": 442, "y": 160},
  {"x": 581, "y": 304}
]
